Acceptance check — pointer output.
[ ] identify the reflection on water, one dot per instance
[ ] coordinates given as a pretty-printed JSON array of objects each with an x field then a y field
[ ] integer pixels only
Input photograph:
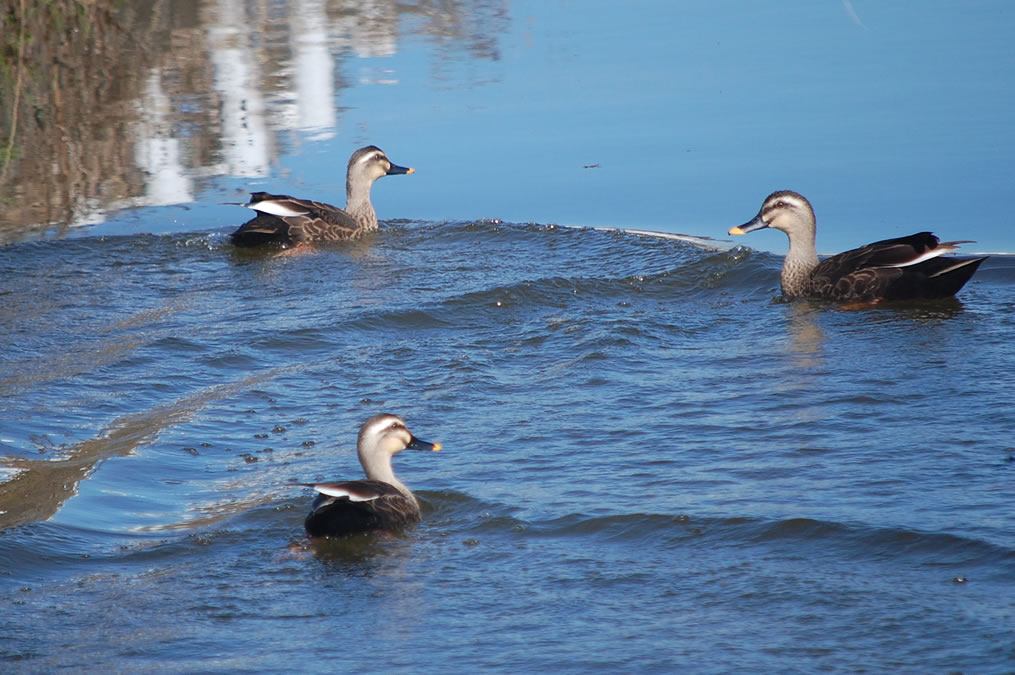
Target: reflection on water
[
  {"x": 109, "y": 105},
  {"x": 805, "y": 335},
  {"x": 805, "y": 346}
]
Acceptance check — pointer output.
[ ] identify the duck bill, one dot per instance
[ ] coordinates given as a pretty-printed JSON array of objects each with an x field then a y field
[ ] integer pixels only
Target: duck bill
[
  {"x": 395, "y": 170},
  {"x": 418, "y": 444},
  {"x": 755, "y": 224}
]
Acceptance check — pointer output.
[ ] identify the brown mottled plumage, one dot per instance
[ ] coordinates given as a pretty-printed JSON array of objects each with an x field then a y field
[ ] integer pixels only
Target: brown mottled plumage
[
  {"x": 905, "y": 268},
  {"x": 282, "y": 219},
  {"x": 381, "y": 502}
]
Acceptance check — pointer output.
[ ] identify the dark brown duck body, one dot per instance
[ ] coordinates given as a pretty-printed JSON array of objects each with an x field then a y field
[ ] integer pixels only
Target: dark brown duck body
[
  {"x": 883, "y": 271},
  {"x": 905, "y": 268},
  {"x": 382, "y": 501},
  {"x": 290, "y": 221},
  {"x": 310, "y": 221},
  {"x": 388, "y": 510}
]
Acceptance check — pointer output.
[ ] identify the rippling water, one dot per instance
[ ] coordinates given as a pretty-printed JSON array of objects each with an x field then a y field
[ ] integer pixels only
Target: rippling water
[{"x": 651, "y": 461}]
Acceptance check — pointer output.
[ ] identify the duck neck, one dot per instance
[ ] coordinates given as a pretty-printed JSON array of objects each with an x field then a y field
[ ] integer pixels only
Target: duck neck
[
  {"x": 357, "y": 205},
  {"x": 801, "y": 259},
  {"x": 383, "y": 472}
]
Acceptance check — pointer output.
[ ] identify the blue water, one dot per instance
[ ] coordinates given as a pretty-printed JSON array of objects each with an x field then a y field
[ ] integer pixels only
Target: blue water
[
  {"x": 890, "y": 118},
  {"x": 652, "y": 463}
]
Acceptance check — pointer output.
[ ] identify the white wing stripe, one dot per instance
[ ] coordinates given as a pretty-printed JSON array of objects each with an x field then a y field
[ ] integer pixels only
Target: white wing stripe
[
  {"x": 957, "y": 265},
  {"x": 927, "y": 255},
  {"x": 280, "y": 209},
  {"x": 336, "y": 491}
]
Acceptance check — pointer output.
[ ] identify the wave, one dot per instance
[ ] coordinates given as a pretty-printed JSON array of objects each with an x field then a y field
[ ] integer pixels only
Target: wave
[
  {"x": 609, "y": 262},
  {"x": 610, "y": 268},
  {"x": 40, "y": 550},
  {"x": 805, "y": 536}
]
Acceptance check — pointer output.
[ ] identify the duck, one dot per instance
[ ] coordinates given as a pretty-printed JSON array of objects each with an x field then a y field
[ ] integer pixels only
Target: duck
[
  {"x": 906, "y": 268},
  {"x": 289, "y": 221},
  {"x": 382, "y": 501}
]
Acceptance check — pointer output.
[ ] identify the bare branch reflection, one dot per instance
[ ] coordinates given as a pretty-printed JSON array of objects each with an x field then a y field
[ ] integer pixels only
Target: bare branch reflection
[{"x": 107, "y": 105}]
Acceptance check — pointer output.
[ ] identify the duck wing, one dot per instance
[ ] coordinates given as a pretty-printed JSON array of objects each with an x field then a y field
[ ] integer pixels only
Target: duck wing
[
  {"x": 357, "y": 506},
  {"x": 888, "y": 253},
  {"x": 934, "y": 278},
  {"x": 894, "y": 269},
  {"x": 287, "y": 220},
  {"x": 324, "y": 222}
]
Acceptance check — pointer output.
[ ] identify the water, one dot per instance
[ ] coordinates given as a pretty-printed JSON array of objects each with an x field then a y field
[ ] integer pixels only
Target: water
[{"x": 651, "y": 462}]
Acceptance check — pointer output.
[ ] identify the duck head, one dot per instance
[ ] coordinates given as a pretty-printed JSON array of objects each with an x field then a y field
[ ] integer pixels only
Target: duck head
[
  {"x": 383, "y": 436},
  {"x": 783, "y": 210},
  {"x": 370, "y": 163}
]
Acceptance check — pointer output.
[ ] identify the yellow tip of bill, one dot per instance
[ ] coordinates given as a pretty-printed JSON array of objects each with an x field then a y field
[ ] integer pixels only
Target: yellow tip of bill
[{"x": 736, "y": 230}]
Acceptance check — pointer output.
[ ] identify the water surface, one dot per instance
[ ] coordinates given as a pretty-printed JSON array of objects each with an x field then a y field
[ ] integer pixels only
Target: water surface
[{"x": 651, "y": 462}]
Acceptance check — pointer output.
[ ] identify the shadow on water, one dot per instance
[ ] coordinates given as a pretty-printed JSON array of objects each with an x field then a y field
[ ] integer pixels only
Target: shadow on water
[
  {"x": 358, "y": 551},
  {"x": 357, "y": 248},
  {"x": 926, "y": 310}
]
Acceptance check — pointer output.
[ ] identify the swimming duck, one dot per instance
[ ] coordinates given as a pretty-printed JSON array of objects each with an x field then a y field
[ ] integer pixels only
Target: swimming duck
[
  {"x": 286, "y": 220},
  {"x": 381, "y": 502},
  {"x": 894, "y": 269}
]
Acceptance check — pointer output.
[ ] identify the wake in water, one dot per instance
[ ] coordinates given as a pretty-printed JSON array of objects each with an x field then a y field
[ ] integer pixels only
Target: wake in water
[{"x": 634, "y": 426}]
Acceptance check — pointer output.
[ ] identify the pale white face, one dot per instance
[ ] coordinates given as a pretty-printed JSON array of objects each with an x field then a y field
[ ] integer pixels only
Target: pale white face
[
  {"x": 373, "y": 165},
  {"x": 385, "y": 434}
]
